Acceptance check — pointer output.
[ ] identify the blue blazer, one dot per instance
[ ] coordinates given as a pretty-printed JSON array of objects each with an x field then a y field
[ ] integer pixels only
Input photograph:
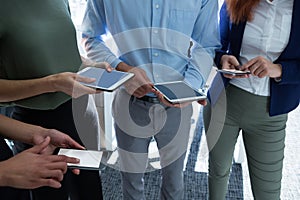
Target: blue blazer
[{"x": 284, "y": 95}]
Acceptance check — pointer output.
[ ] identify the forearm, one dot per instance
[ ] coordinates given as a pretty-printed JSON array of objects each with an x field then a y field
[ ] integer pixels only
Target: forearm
[
  {"x": 12, "y": 90},
  {"x": 200, "y": 66},
  {"x": 7, "y": 173},
  {"x": 3, "y": 174},
  {"x": 98, "y": 51},
  {"x": 203, "y": 50},
  {"x": 93, "y": 27},
  {"x": 17, "y": 130}
]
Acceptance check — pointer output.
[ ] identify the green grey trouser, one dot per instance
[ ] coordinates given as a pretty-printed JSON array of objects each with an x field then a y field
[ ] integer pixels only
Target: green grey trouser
[{"x": 263, "y": 138}]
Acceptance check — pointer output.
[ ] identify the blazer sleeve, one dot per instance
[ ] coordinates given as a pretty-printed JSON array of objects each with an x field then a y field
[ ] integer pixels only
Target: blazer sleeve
[
  {"x": 290, "y": 72},
  {"x": 290, "y": 57},
  {"x": 224, "y": 35}
]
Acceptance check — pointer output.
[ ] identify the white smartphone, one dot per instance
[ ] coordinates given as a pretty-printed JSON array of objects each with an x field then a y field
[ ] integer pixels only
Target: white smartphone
[
  {"x": 234, "y": 71},
  {"x": 106, "y": 81},
  {"x": 179, "y": 92},
  {"x": 88, "y": 159}
]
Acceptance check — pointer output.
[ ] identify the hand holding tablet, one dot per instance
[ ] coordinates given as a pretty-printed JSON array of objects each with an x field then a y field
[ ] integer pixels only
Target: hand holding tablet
[
  {"x": 179, "y": 92},
  {"x": 106, "y": 81}
]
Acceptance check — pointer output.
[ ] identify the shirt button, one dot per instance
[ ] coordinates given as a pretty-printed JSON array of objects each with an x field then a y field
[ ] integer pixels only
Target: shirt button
[
  {"x": 155, "y": 31},
  {"x": 155, "y": 54},
  {"x": 157, "y": 6}
]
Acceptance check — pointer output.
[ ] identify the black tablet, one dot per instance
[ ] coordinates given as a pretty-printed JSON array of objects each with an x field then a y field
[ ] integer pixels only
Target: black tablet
[
  {"x": 88, "y": 159},
  {"x": 179, "y": 92},
  {"x": 107, "y": 81},
  {"x": 234, "y": 71}
]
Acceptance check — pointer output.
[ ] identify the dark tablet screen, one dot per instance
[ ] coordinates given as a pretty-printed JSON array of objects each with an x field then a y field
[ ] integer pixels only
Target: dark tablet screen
[{"x": 179, "y": 91}]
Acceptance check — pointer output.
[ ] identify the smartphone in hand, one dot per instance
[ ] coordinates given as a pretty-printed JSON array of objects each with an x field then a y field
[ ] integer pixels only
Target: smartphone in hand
[
  {"x": 234, "y": 72},
  {"x": 89, "y": 160}
]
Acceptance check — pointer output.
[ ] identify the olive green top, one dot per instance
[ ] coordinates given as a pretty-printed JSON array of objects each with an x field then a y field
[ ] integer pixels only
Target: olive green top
[{"x": 37, "y": 38}]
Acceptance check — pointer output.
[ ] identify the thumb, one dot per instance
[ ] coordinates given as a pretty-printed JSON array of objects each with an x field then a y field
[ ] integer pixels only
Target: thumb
[
  {"x": 233, "y": 60},
  {"x": 40, "y": 147},
  {"x": 85, "y": 79},
  {"x": 230, "y": 63},
  {"x": 104, "y": 65}
]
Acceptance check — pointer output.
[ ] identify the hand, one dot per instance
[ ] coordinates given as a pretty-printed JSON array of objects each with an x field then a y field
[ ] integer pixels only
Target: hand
[
  {"x": 261, "y": 67},
  {"x": 203, "y": 102},
  {"x": 67, "y": 82},
  {"x": 29, "y": 169},
  {"x": 140, "y": 84},
  {"x": 90, "y": 63},
  {"x": 57, "y": 139},
  {"x": 230, "y": 62}
]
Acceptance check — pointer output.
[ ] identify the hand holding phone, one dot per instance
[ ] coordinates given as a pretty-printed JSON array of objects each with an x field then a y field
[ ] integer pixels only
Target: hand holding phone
[
  {"x": 234, "y": 72},
  {"x": 89, "y": 160},
  {"x": 231, "y": 67}
]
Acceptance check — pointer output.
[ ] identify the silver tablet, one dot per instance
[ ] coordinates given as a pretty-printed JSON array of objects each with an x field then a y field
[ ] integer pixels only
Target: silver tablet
[
  {"x": 107, "y": 81},
  {"x": 88, "y": 159},
  {"x": 179, "y": 92}
]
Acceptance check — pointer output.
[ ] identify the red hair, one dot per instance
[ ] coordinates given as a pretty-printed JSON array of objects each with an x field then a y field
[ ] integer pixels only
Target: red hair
[{"x": 241, "y": 10}]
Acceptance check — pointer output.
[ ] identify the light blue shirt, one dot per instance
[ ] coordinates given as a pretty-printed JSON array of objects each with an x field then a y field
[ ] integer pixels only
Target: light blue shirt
[{"x": 154, "y": 35}]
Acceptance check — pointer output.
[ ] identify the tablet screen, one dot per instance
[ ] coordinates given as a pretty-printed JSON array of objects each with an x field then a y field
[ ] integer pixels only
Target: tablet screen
[
  {"x": 179, "y": 91},
  {"x": 88, "y": 159},
  {"x": 105, "y": 80}
]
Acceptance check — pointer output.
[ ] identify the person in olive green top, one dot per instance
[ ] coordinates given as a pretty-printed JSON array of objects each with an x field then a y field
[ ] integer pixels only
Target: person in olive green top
[{"x": 39, "y": 59}]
